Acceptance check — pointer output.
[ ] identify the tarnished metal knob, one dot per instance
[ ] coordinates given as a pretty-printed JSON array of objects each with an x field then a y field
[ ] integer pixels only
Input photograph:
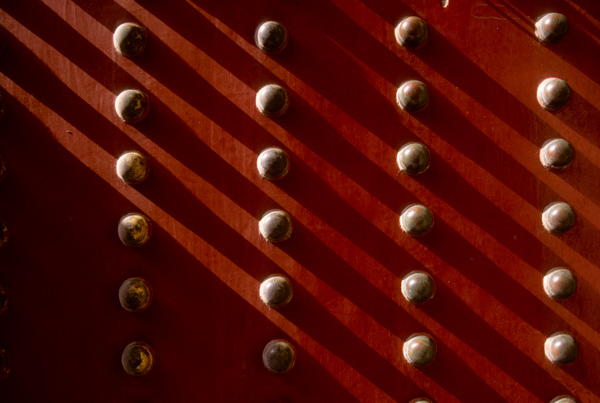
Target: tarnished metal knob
[
  {"x": 272, "y": 100},
  {"x": 275, "y": 226},
  {"x": 558, "y": 218},
  {"x": 271, "y": 37},
  {"x": 130, "y": 39},
  {"x": 420, "y": 400},
  {"x": 416, "y": 220},
  {"x": 134, "y": 229},
  {"x": 419, "y": 350},
  {"x": 276, "y": 291},
  {"x": 3, "y": 300},
  {"x": 273, "y": 163},
  {"x": 4, "y": 364},
  {"x": 137, "y": 358},
  {"x": 560, "y": 283},
  {"x": 412, "y": 96},
  {"x": 553, "y": 93},
  {"x": 279, "y": 356},
  {"x": 135, "y": 294},
  {"x": 417, "y": 287},
  {"x": 413, "y": 158},
  {"x": 4, "y": 234},
  {"x": 556, "y": 154},
  {"x": 561, "y": 348},
  {"x": 563, "y": 399},
  {"x": 551, "y": 28},
  {"x": 411, "y": 32},
  {"x": 132, "y": 105},
  {"x": 132, "y": 167}
]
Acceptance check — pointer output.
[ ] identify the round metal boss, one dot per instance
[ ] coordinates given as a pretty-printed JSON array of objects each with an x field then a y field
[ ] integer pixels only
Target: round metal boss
[
  {"x": 273, "y": 163},
  {"x": 563, "y": 399},
  {"x": 560, "y": 348},
  {"x": 558, "y": 218},
  {"x": 420, "y": 400},
  {"x": 272, "y": 100},
  {"x": 412, "y": 96},
  {"x": 279, "y": 356},
  {"x": 4, "y": 364},
  {"x": 4, "y": 234},
  {"x": 416, "y": 220},
  {"x": 419, "y": 350},
  {"x": 556, "y": 154},
  {"x": 275, "y": 226},
  {"x": 413, "y": 158},
  {"x": 560, "y": 283},
  {"x": 276, "y": 291},
  {"x": 553, "y": 93},
  {"x": 271, "y": 37},
  {"x": 551, "y": 28},
  {"x": 132, "y": 105},
  {"x": 132, "y": 167},
  {"x": 135, "y": 294},
  {"x": 3, "y": 300},
  {"x": 130, "y": 39},
  {"x": 134, "y": 229},
  {"x": 411, "y": 32},
  {"x": 137, "y": 358},
  {"x": 417, "y": 287}
]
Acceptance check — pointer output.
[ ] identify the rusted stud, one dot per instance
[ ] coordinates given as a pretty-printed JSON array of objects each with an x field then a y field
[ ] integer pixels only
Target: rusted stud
[
  {"x": 417, "y": 287},
  {"x": 132, "y": 105},
  {"x": 411, "y": 32},
  {"x": 416, "y": 220},
  {"x": 132, "y": 167},
  {"x": 551, "y": 28},
  {"x": 276, "y": 291},
  {"x": 4, "y": 234},
  {"x": 275, "y": 226},
  {"x": 279, "y": 356},
  {"x": 272, "y": 100},
  {"x": 419, "y": 350},
  {"x": 134, "y": 229},
  {"x": 137, "y": 358},
  {"x": 4, "y": 364},
  {"x": 558, "y": 218},
  {"x": 561, "y": 348},
  {"x": 553, "y": 93},
  {"x": 563, "y": 399},
  {"x": 130, "y": 39},
  {"x": 273, "y": 163},
  {"x": 412, "y": 96},
  {"x": 560, "y": 283},
  {"x": 271, "y": 37},
  {"x": 3, "y": 300},
  {"x": 135, "y": 294},
  {"x": 413, "y": 158},
  {"x": 556, "y": 154}
]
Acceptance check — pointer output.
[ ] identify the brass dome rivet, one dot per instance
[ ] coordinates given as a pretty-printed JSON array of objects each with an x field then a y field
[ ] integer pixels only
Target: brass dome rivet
[
  {"x": 556, "y": 154},
  {"x": 563, "y": 399},
  {"x": 272, "y": 100},
  {"x": 417, "y": 287},
  {"x": 412, "y": 96},
  {"x": 273, "y": 163},
  {"x": 276, "y": 291},
  {"x": 411, "y": 32},
  {"x": 561, "y": 348},
  {"x": 553, "y": 93},
  {"x": 420, "y": 400},
  {"x": 279, "y": 356},
  {"x": 413, "y": 158},
  {"x": 134, "y": 229},
  {"x": 132, "y": 167},
  {"x": 271, "y": 37},
  {"x": 416, "y": 220},
  {"x": 137, "y": 358},
  {"x": 558, "y": 218},
  {"x": 419, "y": 350},
  {"x": 560, "y": 283},
  {"x": 132, "y": 105},
  {"x": 135, "y": 294},
  {"x": 275, "y": 226},
  {"x": 130, "y": 39},
  {"x": 551, "y": 28}
]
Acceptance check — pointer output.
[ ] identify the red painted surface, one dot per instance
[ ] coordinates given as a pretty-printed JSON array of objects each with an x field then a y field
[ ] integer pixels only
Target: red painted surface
[{"x": 65, "y": 330}]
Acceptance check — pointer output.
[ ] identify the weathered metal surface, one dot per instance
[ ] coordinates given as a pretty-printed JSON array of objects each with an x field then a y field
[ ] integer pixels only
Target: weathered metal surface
[{"x": 348, "y": 320}]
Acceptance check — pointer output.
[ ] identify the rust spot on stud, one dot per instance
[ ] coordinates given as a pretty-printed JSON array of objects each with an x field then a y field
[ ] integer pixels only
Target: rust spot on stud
[
  {"x": 417, "y": 287},
  {"x": 135, "y": 294},
  {"x": 413, "y": 158},
  {"x": 551, "y": 28},
  {"x": 553, "y": 93},
  {"x": 132, "y": 167},
  {"x": 556, "y": 154},
  {"x": 137, "y": 358},
  {"x": 419, "y": 350},
  {"x": 275, "y": 226},
  {"x": 276, "y": 291},
  {"x": 558, "y": 218},
  {"x": 272, "y": 100},
  {"x": 279, "y": 356},
  {"x": 132, "y": 106},
  {"x": 134, "y": 229},
  {"x": 130, "y": 39},
  {"x": 271, "y": 37},
  {"x": 412, "y": 96},
  {"x": 411, "y": 32},
  {"x": 416, "y": 220},
  {"x": 273, "y": 163},
  {"x": 560, "y": 283},
  {"x": 561, "y": 348}
]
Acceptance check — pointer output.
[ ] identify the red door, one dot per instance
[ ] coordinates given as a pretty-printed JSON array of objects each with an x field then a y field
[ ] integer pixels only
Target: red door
[{"x": 491, "y": 330}]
